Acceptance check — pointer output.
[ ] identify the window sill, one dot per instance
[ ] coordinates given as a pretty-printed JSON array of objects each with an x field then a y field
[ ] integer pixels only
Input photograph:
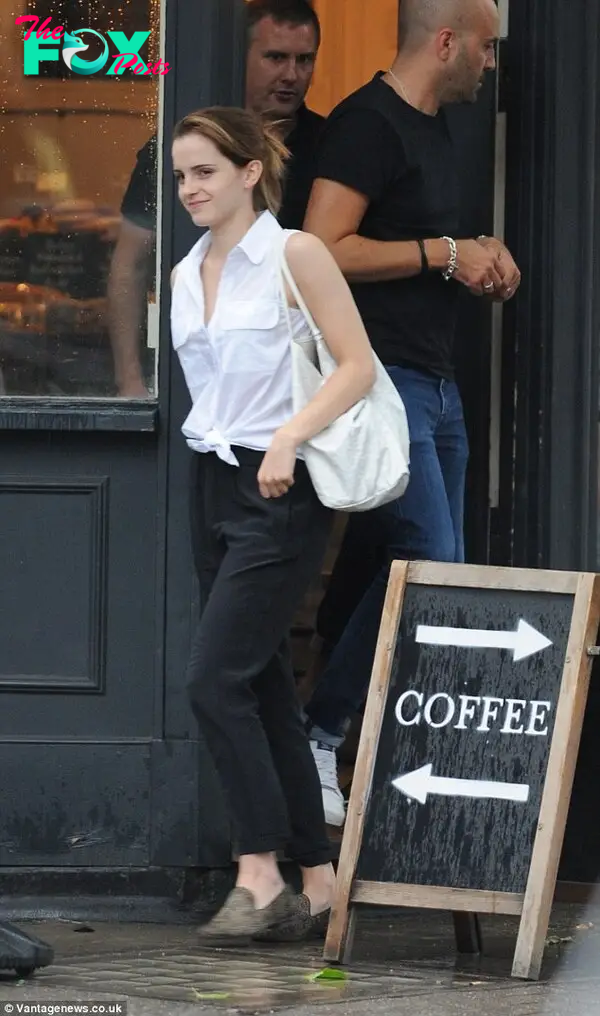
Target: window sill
[{"x": 26, "y": 413}]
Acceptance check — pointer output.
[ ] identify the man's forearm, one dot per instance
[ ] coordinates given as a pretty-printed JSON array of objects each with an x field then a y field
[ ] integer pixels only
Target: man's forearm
[
  {"x": 126, "y": 306},
  {"x": 127, "y": 288},
  {"x": 364, "y": 260}
]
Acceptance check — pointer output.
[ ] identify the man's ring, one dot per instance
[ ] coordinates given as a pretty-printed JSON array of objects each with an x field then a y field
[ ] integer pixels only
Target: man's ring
[{"x": 489, "y": 285}]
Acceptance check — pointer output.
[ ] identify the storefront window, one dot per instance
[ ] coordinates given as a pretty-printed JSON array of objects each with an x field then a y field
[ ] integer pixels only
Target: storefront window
[{"x": 79, "y": 101}]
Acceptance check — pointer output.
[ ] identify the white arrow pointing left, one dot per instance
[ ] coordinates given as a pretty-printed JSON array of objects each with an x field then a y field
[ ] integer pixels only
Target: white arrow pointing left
[{"x": 420, "y": 783}]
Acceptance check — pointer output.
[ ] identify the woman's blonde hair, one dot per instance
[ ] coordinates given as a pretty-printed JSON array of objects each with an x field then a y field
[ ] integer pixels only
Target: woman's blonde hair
[{"x": 243, "y": 137}]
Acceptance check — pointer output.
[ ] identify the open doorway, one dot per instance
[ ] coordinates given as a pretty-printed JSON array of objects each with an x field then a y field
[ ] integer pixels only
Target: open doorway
[{"x": 365, "y": 42}]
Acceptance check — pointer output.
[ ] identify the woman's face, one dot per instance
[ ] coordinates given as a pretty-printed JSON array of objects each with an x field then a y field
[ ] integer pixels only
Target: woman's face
[{"x": 210, "y": 187}]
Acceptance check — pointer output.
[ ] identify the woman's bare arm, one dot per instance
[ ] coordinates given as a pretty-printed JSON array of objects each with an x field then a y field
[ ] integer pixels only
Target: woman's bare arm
[{"x": 328, "y": 297}]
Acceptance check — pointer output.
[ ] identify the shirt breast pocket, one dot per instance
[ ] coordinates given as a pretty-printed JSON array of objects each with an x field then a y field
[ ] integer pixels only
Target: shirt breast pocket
[
  {"x": 248, "y": 336},
  {"x": 192, "y": 345}
]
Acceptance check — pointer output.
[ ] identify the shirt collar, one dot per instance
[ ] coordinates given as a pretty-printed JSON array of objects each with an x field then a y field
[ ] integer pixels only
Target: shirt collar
[
  {"x": 256, "y": 244},
  {"x": 258, "y": 241}
]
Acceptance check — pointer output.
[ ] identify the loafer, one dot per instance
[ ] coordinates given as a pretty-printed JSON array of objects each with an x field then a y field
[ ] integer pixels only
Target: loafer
[
  {"x": 298, "y": 926},
  {"x": 239, "y": 920}
]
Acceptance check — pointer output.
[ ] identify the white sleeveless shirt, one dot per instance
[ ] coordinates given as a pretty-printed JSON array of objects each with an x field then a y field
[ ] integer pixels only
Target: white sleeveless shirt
[{"x": 238, "y": 368}]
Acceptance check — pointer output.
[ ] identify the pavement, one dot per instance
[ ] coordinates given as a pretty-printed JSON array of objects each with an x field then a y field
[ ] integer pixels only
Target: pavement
[{"x": 403, "y": 962}]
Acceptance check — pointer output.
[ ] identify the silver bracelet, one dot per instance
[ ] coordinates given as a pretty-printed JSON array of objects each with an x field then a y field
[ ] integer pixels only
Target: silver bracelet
[{"x": 453, "y": 259}]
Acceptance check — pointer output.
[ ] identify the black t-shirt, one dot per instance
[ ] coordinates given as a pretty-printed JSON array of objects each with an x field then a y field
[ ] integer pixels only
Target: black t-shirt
[
  {"x": 303, "y": 143},
  {"x": 402, "y": 160},
  {"x": 139, "y": 202}
]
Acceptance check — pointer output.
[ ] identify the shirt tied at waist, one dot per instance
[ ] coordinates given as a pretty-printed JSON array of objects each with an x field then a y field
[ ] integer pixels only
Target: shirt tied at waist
[{"x": 213, "y": 441}]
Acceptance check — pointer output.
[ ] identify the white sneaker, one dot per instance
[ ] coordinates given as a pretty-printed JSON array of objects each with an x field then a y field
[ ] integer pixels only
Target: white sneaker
[{"x": 333, "y": 799}]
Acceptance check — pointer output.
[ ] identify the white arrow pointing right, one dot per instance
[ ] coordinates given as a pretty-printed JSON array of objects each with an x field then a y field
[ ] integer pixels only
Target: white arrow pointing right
[{"x": 524, "y": 642}]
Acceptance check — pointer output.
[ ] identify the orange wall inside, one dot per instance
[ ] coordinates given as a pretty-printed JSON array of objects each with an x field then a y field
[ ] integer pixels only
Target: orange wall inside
[{"x": 359, "y": 38}]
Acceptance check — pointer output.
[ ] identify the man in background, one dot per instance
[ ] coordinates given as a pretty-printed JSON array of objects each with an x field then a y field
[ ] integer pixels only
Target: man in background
[
  {"x": 283, "y": 41},
  {"x": 386, "y": 202}
]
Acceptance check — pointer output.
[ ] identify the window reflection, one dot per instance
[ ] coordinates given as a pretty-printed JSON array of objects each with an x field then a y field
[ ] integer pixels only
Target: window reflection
[{"x": 77, "y": 257}]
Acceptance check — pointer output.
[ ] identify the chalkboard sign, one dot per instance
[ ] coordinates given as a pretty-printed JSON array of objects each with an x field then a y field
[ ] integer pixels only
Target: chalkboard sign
[
  {"x": 468, "y": 748},
  {"x": 12, "y": 245},
  {"x": 75, "y": 263}
]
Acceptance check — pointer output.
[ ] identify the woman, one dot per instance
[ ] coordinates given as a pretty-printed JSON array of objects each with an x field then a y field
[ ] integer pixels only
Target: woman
[{"x": 258, "y": 530}]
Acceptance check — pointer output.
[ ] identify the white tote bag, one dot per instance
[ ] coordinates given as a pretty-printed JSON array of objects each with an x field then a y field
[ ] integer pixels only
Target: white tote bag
[{"x": 361, "y": 460}]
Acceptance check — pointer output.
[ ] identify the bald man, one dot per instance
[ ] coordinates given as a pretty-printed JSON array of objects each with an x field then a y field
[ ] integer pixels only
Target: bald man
[{"x": 386, "y": 202}]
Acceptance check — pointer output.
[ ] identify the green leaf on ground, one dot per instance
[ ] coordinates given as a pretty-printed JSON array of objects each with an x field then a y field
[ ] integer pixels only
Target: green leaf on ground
[
  {"x": 211, "y": 996},
  {"x": 328, "y": 974}
]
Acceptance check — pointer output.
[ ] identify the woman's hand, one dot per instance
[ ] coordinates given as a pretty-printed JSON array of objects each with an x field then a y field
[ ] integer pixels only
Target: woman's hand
[{"x": 276, "y": 473}]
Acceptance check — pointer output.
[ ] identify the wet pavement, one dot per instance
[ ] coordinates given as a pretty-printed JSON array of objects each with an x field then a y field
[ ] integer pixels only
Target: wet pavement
[{"x": 403, "y": 962}]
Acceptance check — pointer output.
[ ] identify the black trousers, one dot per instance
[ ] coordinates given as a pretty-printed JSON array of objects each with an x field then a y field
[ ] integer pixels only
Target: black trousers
[{"x": 255, "y": 559}]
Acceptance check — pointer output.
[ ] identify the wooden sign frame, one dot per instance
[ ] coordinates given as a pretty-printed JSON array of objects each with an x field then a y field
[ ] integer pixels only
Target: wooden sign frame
[{"x": 535, "y": 904}]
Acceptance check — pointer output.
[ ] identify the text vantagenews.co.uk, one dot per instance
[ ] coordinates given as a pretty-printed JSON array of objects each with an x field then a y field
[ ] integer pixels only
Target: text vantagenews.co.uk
[{"x": 58, "y": 1008}]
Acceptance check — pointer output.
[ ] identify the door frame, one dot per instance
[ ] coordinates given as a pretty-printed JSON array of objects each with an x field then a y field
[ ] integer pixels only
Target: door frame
[
  {"x": 551, "y": 360},
  {"x": 206, "y": 47}
]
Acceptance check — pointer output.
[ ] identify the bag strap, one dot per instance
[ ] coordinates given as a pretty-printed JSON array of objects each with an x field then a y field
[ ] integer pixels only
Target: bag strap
[{"x": 289, "y": 278}]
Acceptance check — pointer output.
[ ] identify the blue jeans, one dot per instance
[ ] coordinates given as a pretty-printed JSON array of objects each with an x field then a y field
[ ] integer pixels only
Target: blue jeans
[{"x": 426, "y": 524}]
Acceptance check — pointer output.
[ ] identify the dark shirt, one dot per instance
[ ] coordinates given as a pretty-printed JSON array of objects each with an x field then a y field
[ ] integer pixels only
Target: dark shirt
[
  {"x": 402, "y": 160},
  {"x": 303, "y": 143},
  {"x": 139, "y": 202}
]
